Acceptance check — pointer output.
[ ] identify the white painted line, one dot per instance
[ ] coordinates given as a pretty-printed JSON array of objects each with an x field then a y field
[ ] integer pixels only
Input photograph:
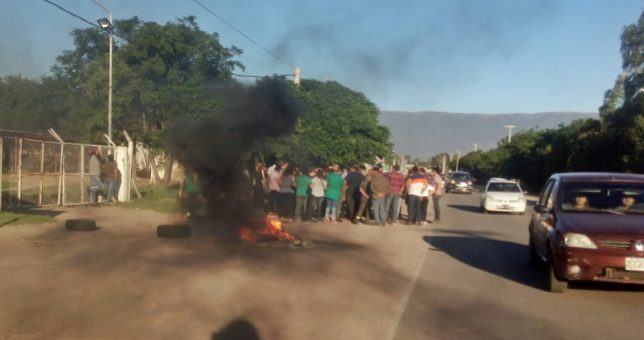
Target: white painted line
[{"x": 400, "y": 310}]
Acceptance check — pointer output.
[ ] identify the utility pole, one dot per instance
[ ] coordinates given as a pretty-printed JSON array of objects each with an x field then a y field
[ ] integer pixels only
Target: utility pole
[
  {"x": 509, "y": 127},
  {"x": 106, "y": 24},
  {"x": 297, "y": 76},
  {"x": 476, "y": 147},
  {"x": 458, "y": 158},
  {"x": 444, "y": 164}
]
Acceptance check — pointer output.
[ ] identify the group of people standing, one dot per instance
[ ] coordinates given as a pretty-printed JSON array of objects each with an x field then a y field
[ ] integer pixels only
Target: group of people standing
[
  {"x": 103, "y": 174},
  {"x": 355, "y": 193}
]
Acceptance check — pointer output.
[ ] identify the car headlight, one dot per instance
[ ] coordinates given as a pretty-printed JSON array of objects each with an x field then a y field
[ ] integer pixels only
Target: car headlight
[
  {"x": 453, "y": 182},
  {"x": 575, "y": 240},
  {"x": 491, "y": 198}
]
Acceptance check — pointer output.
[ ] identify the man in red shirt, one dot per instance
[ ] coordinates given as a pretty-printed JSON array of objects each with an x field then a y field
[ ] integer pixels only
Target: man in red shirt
[{"x": 392, "y": 200}]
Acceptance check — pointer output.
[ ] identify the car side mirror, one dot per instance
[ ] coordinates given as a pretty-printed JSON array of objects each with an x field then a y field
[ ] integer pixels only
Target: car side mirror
[{"x": 542, "y": 209}]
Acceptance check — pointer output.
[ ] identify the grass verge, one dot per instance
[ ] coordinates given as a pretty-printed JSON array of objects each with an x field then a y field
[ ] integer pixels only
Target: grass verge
[
  {"x": 13, "y": 218},
  {"x": 157, "y": 198}
]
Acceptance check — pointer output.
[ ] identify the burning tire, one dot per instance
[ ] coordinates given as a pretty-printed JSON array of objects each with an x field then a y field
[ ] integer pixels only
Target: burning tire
[
  {"x": 80, "y": 225},
  {"x": 173, "y": 231}
]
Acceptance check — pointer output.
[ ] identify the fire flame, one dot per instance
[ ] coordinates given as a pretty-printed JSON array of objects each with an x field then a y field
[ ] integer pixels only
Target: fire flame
[{"x": 271, "y": 228}]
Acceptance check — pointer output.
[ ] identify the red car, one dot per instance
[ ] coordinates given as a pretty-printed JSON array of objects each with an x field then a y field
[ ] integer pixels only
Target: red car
[{"x": 589, "y": 227}]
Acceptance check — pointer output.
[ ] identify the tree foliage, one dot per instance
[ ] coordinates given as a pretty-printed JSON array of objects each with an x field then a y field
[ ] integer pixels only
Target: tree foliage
[
  {"x": 615, "y": 142},
  {"x": 336, "y": 126}
]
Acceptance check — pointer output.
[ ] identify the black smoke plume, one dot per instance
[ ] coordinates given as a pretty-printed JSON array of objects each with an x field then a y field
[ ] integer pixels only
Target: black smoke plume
[{"x": 219, "y": 147}]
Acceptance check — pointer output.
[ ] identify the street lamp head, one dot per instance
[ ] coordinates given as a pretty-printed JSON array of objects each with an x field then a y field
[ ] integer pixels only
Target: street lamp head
[{"x": 105, "y": 23}]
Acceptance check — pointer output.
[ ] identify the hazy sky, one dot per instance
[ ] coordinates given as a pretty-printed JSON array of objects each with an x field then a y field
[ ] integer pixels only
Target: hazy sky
[{"x": 477, "y": 56}]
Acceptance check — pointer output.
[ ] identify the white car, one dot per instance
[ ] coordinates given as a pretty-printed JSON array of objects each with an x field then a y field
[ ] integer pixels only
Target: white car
[{"x": 502, "y": 195}]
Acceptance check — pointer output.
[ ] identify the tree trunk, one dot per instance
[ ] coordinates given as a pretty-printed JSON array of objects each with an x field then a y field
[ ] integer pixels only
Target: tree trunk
[
  {"x": 167, "y": 175},
  {"x": 154, "y": 173}
]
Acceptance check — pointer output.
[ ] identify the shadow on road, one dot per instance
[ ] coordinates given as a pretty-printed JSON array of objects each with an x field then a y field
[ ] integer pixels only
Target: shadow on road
[
  {"x": 237, "y": 330},
  {"x": 468, "y": 208},
  {"x": 502, "y": 258}
]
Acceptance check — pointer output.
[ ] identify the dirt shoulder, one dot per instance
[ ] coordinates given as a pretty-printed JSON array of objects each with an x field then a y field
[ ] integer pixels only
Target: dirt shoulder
[{"x": 121, "y": 281}]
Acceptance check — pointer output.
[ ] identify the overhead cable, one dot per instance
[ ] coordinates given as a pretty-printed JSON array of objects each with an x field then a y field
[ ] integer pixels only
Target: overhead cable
[{"x": 243, "y": 34}]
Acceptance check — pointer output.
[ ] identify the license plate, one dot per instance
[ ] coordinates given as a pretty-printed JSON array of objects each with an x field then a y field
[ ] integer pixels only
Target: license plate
[{"x": 634, "y": 263}]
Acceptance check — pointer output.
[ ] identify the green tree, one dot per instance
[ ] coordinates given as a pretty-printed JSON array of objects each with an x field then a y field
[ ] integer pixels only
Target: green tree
[
  {"x": 161, "y": 72},
  {"x": 622, "y": 123},
  {"x": 337, "y": 125}
]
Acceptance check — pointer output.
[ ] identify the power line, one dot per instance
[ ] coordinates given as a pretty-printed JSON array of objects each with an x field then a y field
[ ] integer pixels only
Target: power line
[
  {"x": 243, "y": 34},
  {"x": 72, "y": 14},
  {"x": 111, "y": 30}
]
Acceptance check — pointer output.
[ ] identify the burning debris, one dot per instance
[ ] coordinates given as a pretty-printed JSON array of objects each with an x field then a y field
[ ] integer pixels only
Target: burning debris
[
  {"x": 219, "y": 146},
  {"x": 270, "y": 232}
]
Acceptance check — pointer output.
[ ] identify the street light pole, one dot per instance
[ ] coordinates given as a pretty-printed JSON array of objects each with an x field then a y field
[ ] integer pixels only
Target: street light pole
[
  {"x": 108, "y": 27},
  {"x": 509, "y": 127},
  {"x": 458, "y": 158}
]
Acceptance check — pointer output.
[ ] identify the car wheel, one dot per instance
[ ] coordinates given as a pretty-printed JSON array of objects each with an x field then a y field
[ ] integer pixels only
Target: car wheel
[
  {"x": 173, "y": 231},
  {"x": 554, "y": 284},
  {"x": 80, "y": 225}
]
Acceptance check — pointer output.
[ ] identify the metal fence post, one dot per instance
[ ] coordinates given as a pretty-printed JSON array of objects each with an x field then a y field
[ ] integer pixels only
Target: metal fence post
[
  {"x": 82, "y": 173},
  {"x": 42, "y": 172},
  {"x": 19, "y": 157},
  {"x": 61, "y": 177},
  {"x": 1, "y": 170}
]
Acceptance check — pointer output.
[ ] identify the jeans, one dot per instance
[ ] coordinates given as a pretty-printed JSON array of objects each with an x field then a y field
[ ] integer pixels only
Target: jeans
[
  {"x": 315, "y": 206},
  {"x": 413, "y": 210},
  {"x": 273, "y": 199},
  {"x": 286, "y": 204},
  {"x": 95, "y": 185},
  {"x": 111, "y": 185},
  {"x": 437, "y": 209},
  {"x": 300, "y": 207},
  {"x": 353, "y": 201},
  {"x": 379, "y": 210},
  {"x": 392, "y": 201},
  {"x": 330, "y": 209},
  {"x": 363, "y": 209},
  {"x": 424, "y": 201}
]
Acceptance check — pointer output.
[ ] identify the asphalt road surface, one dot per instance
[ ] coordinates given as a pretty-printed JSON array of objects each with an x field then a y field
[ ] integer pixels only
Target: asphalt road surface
[
  {"x": 475, "y": 283},
  {"x": 464, "y": 278}
]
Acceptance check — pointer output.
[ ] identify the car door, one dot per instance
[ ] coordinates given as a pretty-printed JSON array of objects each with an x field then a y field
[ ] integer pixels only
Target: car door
[{"x": 542, "y": 219}]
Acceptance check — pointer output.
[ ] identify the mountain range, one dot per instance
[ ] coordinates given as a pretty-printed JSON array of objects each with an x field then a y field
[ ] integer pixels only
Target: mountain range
[{"x": 427, "y": 133}]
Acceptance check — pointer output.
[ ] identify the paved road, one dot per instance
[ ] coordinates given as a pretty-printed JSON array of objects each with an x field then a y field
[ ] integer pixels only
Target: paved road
[
  {"x": 475, "y": 283},
  {"x": 466, "y": 277}
]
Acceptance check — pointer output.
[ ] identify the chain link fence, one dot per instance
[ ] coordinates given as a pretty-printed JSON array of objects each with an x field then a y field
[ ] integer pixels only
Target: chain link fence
[{"x": 39, "y": 173}]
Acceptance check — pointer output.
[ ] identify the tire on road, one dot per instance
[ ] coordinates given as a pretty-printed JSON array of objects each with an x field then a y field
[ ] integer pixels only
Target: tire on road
[
  {"x": 555, "y": 285},
  {"x": 173, "y": 231},
  {"x": 80, "y": 225}
]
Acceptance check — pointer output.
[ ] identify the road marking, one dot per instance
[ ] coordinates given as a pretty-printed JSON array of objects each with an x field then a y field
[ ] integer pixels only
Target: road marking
[{"x": 395, "y": 321}]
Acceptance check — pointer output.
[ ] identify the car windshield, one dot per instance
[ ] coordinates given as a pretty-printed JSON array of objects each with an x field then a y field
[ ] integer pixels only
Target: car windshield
[
  {"x": 460, "y": 175},
  {"x": 503, "y": 187},
  {"x": 616, "y": 198}
]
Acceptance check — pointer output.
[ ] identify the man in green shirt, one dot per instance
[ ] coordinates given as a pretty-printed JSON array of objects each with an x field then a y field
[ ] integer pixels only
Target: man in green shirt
[
  {"x": 189, "y": 191},
  {"x": 302, "y": 185},
  {"x": 332, "y": 194}
]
